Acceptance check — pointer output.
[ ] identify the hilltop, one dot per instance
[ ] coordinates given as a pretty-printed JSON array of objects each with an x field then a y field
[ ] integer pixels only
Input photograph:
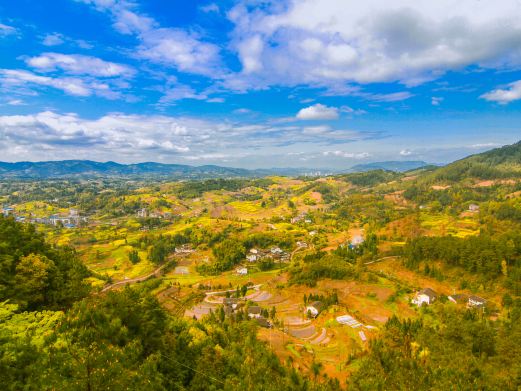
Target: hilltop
[{"x": 498, "y": 163}]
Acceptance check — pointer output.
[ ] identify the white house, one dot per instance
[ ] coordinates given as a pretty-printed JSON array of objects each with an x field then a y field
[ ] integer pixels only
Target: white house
[
  {"x": 314, "y": 308},
  {"x": 251, "y": 257},
  {"x": 357, "y": 240},
  {"x": 425, "y": 296},
  {"x": 476, "y": 301},
  {"x": 254, "y": 251},
  {"x": 276, "y": 250},
  {"x": 473, "y": 208},
  {"x": 242, "y": 271}
]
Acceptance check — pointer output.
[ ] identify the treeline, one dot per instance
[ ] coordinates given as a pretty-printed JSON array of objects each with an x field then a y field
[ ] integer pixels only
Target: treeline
[
  {"x": 460, "y": 351},
  {"x": 194, "y": 189},
  {"x": 371, "y": 178},
  {"x": 34, "y": 274},
  {"x": 319, "y": 265},
  {"x": 126, "y": 341},
  {"x": 489, "y": 257}
]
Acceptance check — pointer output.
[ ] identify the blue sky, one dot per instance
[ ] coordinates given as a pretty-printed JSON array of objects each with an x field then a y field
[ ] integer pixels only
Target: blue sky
[{"x": 249, "y": 83}]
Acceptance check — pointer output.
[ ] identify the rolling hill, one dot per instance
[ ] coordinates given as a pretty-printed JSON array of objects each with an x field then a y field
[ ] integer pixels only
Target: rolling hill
[{"x": 498, "y": 163}]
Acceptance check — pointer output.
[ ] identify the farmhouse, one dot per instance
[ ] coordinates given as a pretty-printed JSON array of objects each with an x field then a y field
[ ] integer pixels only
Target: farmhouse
[
  {"x": 254, "y": 311},
  {"x": 425, "y": 296},
  {"x": 315, "y": 308},
  {"x": 357, "y": 240},
  {"x": 242, "y": 271},
  {"x": 476, "y": 301},
  {"x": 251, "y": 257},
  {"x": 263, "y": 322},
  {"x": 473, "y": 208}
]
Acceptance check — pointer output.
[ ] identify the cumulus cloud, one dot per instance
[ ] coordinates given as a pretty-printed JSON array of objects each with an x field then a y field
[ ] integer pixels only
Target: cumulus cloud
[
  {"x": 172, "y": 47},
  {"x": 504, "y": 95},
  {"x": 145, "y": 137},
  {"x": 406, "y": 152},
  {"x": 318, "y": 112},
  {"x": 178, "y": 49},
  {"x": 78, "y": 64},
  {"x": 411, "y": 41}
]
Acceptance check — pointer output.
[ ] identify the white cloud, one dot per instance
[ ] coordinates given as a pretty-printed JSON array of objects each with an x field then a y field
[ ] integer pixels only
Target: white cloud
[
  {"x": 406, "y": 152},
  {"x": 172, "y": 47},
  {"x": 15, "y": 102},
  {"x": 53, "y": 39},
  {"x": 436, "y": 100},
  {"x": 212, "y": 7},
  {"x": 49, "y": 135},
  {"x": 504, "y": 95},
  {"x": 412, "y": 41},
  {"x": 16, "y": 78},
  {"x": 6, "y": 30},
  {"x": 318, "y": 112},
  {"x": 78, "y": 64},
  {"x": 181, "y": 50},
  {"x": 347, "y": 155}
]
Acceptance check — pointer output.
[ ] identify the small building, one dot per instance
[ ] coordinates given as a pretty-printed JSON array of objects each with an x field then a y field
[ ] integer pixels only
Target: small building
[
  {"x": 142, "y": 213},
  {"x": 7, "y": 211},
  {"x": 242, "y": 271},
  {"x": 254, "y": 251},
  {"x": 254, "y": 311},
  {"x": 459, "y": 298},
  {"x": 312, "y": 233},
  {"x": 230, "y": 302},
  {"x": 357, "y": 240},
  {"x": 263, "y": 322},
  {"x": 302, "y": 244},
  {"x": 476, "y": 302},
  {"x": 276, "y": 250},
  {"x": 425, "y": 296},
  {"x": 315, "y": 308},
  {"x": 251, "y": 257},
  {"x": 473, "y": 208},
  {"x": 184, "y": 249}
]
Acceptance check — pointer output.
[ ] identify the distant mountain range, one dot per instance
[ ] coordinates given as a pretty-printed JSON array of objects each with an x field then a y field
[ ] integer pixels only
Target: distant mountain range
[
  {"x": 496, "y": 163},
  {"x": 87, "y": 168},
  {"x": 397, "y": 166}
]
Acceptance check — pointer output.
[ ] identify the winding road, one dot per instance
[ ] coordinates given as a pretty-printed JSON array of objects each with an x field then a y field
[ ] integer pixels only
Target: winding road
[{"x": 134, "y": 280}]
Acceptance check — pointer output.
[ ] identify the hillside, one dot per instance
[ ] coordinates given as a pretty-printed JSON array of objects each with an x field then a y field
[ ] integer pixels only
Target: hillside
[
  {"x": 398, "y": 166},
  {"x": 503, "y": 162}
]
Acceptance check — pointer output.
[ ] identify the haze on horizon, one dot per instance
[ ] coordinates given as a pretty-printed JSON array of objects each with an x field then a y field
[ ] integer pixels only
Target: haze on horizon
[{"x": 244, "y": 83}]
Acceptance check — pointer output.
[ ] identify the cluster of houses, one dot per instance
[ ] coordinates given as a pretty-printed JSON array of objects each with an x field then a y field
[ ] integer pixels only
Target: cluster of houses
[
  {"x": 71, "y": 220},
  {"x": 301, "y": 217},
  {"x": 144, "y": 213},
  {"x": 275, "y": 253},
  {"x": 232, "y": 305},
  {"x": 184, "y": 249},
  {"x": 427, "y": 296}
]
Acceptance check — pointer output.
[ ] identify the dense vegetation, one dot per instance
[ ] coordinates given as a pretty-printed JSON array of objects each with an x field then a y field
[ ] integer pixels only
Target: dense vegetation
[
  {"x": 460, "y": 351},
  {"x": 483, "y": 256},
  {"x": 34, "y": 274}
]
